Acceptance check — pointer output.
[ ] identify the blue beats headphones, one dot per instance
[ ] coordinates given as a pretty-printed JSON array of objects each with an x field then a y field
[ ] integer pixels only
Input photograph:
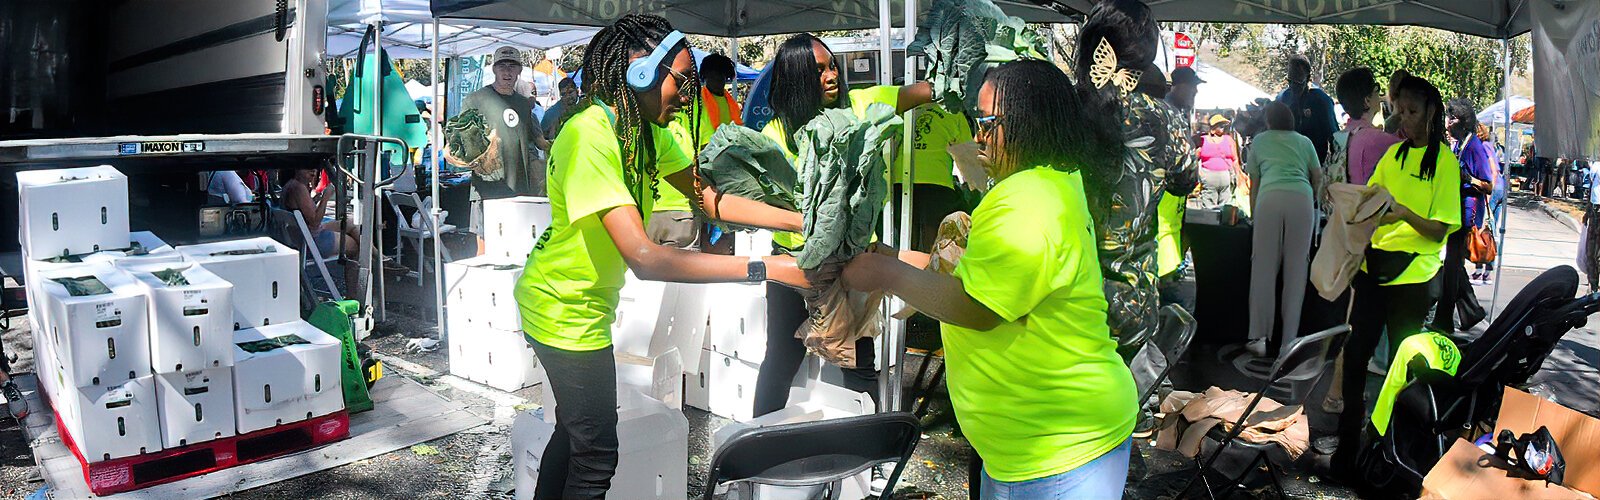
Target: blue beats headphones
[{"x": 645, "y": 72}]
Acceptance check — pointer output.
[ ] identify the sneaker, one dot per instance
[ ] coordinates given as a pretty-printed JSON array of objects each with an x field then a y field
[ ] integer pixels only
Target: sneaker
[
  {"x": 1333, "y": 405},
  {"x": 1257, "y": 347},
  {"x": 16, "y": 406},
  {"x": 880, "y": 478}
]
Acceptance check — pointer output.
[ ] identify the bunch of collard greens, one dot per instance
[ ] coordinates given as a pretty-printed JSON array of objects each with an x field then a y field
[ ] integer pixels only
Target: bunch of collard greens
[
  {"x": 962, "y": 40},
  {"x": 742, "y": 162},
  {"x": 842, "y": 182},
  {"x": 466, "y": 136}
]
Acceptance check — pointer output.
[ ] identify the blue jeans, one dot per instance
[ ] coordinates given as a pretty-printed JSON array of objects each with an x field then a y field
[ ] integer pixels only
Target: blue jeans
[{"x": 1101, "y": 478}]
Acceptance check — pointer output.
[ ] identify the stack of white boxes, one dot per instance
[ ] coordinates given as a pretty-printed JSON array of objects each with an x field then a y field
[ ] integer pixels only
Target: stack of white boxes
[
  {"x": 730, "y": 356},
  {"x": 284, "y": 369},
  {"x": 191, "y": 349},
  {"x": 486, "y": 339},
  {"x": 94, "y": 351},
  {"x": 135, "y": 340}
]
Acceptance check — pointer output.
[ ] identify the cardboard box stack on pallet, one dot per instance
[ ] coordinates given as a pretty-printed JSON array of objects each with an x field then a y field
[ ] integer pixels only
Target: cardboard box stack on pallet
[{"x": 143, "y": 347}]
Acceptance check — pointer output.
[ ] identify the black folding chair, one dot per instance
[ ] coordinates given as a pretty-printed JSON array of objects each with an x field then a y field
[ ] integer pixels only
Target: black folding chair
[
  {"x": 815, "y": 453},
  {"x": 1313, "y": 348},
  {"x": 1155, "y": 360}
]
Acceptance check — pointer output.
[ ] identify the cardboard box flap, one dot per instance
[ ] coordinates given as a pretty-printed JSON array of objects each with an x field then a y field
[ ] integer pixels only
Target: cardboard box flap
[
  {"x": 1465, "y": 473},
  {"x": 1575, "y": 434}
]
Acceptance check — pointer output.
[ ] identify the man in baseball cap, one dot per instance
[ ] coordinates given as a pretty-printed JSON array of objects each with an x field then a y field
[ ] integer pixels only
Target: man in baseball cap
[
  {"x": 1185, "y": 84},
  {"x": 509, "y": 116}
]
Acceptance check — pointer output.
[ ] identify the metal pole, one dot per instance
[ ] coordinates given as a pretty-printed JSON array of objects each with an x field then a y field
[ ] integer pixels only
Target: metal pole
[
  {"x": 1500, "y": 214},
  {"x": 898, "y": 334},
  {"x": 886, "y": 400},
  {"x": 433, "y": 165}
]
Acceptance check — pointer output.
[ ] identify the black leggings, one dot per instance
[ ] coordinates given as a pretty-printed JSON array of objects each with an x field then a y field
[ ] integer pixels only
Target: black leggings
[
  {"x": 786, "y": 311},
  {"x": 1453, "y": 277},
  {"x": 1399, "y": 308},
  {"x": 581, "y": 457}
]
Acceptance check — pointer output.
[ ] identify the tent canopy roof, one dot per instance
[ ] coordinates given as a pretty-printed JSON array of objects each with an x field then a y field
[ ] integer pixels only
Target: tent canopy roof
[
  {"x": 407, "y": 36},
  {"x": 715, "y": 17},
  {"x": 1485, "y": 18}
]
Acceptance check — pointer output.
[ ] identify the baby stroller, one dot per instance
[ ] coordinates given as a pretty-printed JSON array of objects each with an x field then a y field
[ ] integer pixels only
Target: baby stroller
[{"x": 1435, "y": 408}]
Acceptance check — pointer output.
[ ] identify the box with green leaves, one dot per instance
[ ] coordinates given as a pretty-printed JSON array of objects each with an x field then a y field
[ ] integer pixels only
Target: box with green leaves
[
  {"x": 191, "y": 316},
  {"x": 265, "y": 276},
  {"x": 96, "y": 322},
  {"x": 284, "y": 373}
]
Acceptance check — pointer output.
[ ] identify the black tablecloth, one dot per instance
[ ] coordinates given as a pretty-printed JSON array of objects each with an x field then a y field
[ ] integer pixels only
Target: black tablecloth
[{"x": 1222, "y": 259}]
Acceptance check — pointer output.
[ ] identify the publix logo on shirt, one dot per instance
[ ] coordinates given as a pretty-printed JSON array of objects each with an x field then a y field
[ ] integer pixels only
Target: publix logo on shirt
[{"x": 510, "y": 117}]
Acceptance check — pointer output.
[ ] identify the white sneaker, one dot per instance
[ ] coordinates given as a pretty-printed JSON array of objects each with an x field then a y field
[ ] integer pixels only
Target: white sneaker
[{"x": 880, "y": 478}]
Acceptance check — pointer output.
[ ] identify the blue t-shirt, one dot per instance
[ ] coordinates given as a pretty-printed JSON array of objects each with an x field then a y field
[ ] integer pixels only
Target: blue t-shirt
[{"x": 1313, "y": 116}]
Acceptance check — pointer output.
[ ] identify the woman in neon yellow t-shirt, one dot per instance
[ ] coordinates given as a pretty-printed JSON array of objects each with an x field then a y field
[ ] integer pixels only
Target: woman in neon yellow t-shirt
[
  {"x": 606, "y": 170},
  {"x": 1392, "y": 292},
  {"x": 805, "y": 80},
  {"x": 1033, "y": 371}
]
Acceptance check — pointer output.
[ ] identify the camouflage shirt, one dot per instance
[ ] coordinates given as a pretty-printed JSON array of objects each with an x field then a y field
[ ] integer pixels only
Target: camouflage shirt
[{"x": 1158, "y": 160}]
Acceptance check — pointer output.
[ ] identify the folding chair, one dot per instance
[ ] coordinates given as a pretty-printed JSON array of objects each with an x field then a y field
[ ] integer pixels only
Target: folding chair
[
  {"x": 815, "y": 453},
  {"x": 1154, "y": 361},
  {"x": 1312, "y": 349},
  {"x": 311, "y": 256},
  {"x": 417, "y": 234}
]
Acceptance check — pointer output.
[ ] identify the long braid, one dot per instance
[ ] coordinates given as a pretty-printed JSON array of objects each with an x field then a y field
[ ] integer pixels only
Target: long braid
[{"x": 605, "y": 68}]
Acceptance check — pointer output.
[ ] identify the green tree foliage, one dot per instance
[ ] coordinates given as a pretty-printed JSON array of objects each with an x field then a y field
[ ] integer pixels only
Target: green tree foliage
[{"x": 1460, "y": 65}]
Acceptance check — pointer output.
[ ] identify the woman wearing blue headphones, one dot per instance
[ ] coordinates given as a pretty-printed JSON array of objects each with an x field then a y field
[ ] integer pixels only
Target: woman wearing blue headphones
[{"x": 605, "y": 173}]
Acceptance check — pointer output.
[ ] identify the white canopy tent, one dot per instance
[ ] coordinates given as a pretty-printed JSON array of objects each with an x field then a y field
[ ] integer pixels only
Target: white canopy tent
[
  {"x": 1499, "y": 112},
  {"x": 406, "y": 32},
  {"x": 1221, "y": 89}
]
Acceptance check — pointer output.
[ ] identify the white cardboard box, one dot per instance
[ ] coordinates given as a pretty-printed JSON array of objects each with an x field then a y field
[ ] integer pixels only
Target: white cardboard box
[
  {"x": 191, "y": 315},
  {"x": 748, "y": 243},
  {"x": 265, "y": 276},
  {"x": 500, "y": 359},
  {"x": 512, "y": 226},
  {"x": 643, "y": 317},
  {"x": 697, "y": 386},
  {"x": 100, "y": 339},
  {"x": 660, "y": 377},
  {"x": 728, "y": 384},
  {"x": 72, "y": 211},
  {"x": 479, "y": 293},
  {"x": 739, "y": 321},
  {"x": 113, "y": 421},
  {"x": 278, "y": 385},
  {"x": 653, "y": 450},
  {"x": 195, "y": 406}
]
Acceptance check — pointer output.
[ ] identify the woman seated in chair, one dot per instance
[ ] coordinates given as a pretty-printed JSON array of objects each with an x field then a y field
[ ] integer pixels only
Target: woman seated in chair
[
  {"x": 1033, "y": 370},
  {"x": 326, "y": 233}
]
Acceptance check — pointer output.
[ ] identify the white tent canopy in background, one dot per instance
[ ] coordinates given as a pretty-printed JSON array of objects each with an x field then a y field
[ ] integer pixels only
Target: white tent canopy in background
[
  {"x": 407, "y": 35},
  {"x": 1494, "y": 115},
  {"x": 1222, "y": 90}
]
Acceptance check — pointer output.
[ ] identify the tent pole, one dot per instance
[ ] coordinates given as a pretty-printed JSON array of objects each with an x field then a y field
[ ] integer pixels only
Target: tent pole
[
  {"x": 1505, "y": 178},
  {"x": 886, "y": 400},
  {"x": 909, "y": 32},
  {"x": 733, "y": 53},
  {"x": 433, "y": 167}
]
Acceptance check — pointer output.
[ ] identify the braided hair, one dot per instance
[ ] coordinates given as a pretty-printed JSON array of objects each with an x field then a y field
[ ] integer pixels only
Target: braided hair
[
  {"x": 1032, "y": 101},
  {"x": 1418, "y": 89},
  {"x": 605, "y": 82}
]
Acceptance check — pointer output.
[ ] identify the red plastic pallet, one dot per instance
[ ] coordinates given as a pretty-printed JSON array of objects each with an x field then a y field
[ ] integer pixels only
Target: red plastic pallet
[{"x": 132, "y": 473}]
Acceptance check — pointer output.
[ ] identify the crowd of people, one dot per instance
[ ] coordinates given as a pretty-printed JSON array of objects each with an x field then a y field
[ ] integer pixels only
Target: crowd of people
[{"x": 1075, "y": 235}]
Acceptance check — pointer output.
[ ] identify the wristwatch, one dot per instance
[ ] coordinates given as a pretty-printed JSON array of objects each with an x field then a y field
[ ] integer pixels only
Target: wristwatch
[{"x": 756, "y": 271}]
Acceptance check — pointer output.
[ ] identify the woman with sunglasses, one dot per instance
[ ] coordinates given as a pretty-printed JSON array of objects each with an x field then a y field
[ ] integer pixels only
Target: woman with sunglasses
[
  {"x": 1033, "y": 371},
  {"x": 805, "y": 80},
  {"x": 605, "y": 172}
]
